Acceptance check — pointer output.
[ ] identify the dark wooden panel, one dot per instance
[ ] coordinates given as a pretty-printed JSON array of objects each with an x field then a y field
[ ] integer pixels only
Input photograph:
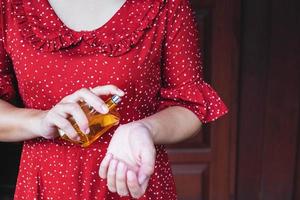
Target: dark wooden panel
[
  {"x": 224, "y": 78},
  {"x": 202, "y": 3},
  {"x": 190, "y": 155},
  {"x": 282, "y": 103},
  {"x": 270, "y": 102},
  {"x": 253, "y": 78},
  {"x": 296, "y": 195},
  {"x": 191, "y": 181}
]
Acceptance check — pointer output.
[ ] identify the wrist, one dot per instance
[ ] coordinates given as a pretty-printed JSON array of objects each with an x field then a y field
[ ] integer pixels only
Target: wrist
[
  {"x": 151, "y": 126},
  {"x": 29, "y": 120}
]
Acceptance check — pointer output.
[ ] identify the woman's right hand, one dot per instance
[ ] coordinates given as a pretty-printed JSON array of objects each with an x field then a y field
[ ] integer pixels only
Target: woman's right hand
[{"x": 56, "y": 117}]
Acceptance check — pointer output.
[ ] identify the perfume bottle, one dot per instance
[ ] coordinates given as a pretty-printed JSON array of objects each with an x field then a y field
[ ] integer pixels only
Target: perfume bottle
[{"x": 98, "y": 123}]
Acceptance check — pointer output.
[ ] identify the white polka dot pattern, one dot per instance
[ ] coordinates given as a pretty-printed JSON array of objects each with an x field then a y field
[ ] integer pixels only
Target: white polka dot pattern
[{"x": 148, "y": 48}]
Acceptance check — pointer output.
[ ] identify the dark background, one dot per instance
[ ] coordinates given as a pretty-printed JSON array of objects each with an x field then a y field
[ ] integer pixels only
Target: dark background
[{"x": 251, "y": 52}]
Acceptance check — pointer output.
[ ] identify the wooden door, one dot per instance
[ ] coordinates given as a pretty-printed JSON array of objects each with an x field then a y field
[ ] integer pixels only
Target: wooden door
[
  {"x": 269, "y": 144},
  {"x": 204, "y": 165}
]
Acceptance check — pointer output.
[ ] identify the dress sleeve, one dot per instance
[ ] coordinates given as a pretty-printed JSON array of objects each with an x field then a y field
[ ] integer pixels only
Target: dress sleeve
[{"x": 182, "y": 70}]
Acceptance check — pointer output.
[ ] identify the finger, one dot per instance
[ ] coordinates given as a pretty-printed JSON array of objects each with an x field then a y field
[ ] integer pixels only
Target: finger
[
  {"x": 147, "y": 164},
  {"x": 76, "y": 112},
  {"x": 107, "y": 89},
  {"x": 121, "y": 179},
  {"x": 62, "y": 123},
  {"x": 104, "y": 166},
  {"x": 89, "y": 97},
  {"x": 133, "y": 185},
  {"x": 111, "y": 176}
]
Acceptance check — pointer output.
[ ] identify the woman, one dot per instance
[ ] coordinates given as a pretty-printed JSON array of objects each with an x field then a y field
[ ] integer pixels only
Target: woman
[{"x": 148, "y": 50}]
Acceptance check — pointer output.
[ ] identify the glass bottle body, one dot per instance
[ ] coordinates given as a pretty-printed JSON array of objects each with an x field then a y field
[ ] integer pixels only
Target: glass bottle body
[{"x": 98, "y": 123}]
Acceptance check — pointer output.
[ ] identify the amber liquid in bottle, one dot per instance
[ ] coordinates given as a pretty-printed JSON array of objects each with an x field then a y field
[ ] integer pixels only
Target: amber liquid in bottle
[{"x": 98, "y": 123}]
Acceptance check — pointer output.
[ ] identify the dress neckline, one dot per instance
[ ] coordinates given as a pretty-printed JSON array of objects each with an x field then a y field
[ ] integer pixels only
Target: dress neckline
[
  {"x": 85, "y": 32},
  {"x": 40, "y": 26}
]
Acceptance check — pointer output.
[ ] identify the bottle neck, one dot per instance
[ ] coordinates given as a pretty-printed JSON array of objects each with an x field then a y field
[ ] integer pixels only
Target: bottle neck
[{"x": 110, "y": 104}]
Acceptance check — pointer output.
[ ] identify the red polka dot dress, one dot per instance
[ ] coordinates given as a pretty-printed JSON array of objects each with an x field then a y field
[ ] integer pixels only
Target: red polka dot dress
[{"x": 148, "y": 48}]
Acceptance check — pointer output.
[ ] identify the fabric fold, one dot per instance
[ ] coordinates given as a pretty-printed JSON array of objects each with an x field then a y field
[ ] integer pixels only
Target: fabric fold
[
  {"x": 200, "y": 98},
  {"x": 63, "y": 37}
]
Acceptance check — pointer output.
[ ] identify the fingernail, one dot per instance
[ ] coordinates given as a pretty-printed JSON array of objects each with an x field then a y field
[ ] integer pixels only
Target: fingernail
[
  {"x": 142, "y": 179},
  {"x": 121, "y": 92},
  {"x": 61, "y": 132},
  {"x": 104, "y": 108},
  {"x": 87, "y": 130}
]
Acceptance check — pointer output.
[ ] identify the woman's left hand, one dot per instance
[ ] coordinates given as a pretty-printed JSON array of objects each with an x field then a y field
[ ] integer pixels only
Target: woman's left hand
[{"x": 130, "y": 159}]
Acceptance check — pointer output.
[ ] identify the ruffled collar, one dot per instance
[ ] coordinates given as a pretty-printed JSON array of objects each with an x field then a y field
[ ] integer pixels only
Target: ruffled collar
[{"x": 40, "y": 26}]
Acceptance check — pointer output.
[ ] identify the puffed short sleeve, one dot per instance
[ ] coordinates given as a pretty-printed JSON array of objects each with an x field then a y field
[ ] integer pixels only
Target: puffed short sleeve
[{"x": 182, "y": 68}]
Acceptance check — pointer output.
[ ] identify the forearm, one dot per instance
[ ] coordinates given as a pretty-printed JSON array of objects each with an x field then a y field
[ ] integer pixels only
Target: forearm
[
  {"x": 173, "y": 124},
  {"x": 17, "y": 124}
]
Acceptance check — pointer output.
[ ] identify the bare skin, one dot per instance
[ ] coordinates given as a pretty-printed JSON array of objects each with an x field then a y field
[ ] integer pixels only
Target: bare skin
[{"x": 93, "y": 13}]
